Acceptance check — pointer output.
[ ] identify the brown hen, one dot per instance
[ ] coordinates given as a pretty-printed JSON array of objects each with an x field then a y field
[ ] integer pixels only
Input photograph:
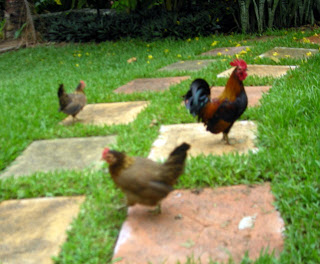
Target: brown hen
[{"x": 142, "y": 180}]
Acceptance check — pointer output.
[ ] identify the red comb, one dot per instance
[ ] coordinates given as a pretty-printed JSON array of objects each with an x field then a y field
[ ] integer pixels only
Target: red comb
[
  {"x": 240, "y": 63},
  {"x": 105, "y": 152}
]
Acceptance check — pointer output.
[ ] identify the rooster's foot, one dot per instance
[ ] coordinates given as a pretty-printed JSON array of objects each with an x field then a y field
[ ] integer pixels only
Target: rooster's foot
[{"x": 226, "y": 138}]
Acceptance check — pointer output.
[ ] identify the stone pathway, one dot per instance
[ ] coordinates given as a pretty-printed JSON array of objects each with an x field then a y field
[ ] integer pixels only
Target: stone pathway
[
  {"x": 210, "y": 223},
  {"x": 218, "y": 223},
  {"x": 150, "y": 84},
  {"x": 274, "y": 71},
  {"x": 32, "y": 230},
  {"x": 241, "y": 136},
  {"x": 191, "y": 65},
  {"x": 254, "y": 93},
  {"x": 295, "y": 53},
  {"x": 58, "y": 154},
  {"x": 108, "y": 113},
  {"x": 225, "y": 51}
]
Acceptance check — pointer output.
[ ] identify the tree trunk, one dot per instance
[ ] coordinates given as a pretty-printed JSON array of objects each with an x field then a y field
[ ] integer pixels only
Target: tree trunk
[{"x": 15, "y": 16}]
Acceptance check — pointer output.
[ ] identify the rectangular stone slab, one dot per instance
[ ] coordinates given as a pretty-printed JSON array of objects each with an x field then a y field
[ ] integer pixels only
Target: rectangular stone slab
[
  {"x": 283, "y": 52},
  {"x": 108, "y": 113},
  {"x": 241, "y": 136},
  {"x": 32, "y": 230},
  {"x": 225, "y": 51},
  {"x": 206, "y": 223},
  {"x": 254, "y": 93},
  {"x": 59, "y": 154},
  {"x": 275, "y": 71},
  {"x": 150, "y": 84},
  {"x": 314, "y": 39},
  {"x": 190, "y": 65}
]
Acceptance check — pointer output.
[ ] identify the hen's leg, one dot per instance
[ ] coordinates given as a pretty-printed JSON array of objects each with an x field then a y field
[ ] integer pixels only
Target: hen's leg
[{"x": 156, "y": 211}]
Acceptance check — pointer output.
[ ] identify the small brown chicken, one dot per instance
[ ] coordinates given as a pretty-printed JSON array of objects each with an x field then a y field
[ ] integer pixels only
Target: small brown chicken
[
  {"x": 142, "y": 180},
  {"x": 72, "y": 103}
]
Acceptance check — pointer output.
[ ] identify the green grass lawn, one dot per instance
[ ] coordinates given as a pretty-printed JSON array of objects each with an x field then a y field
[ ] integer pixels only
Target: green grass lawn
[{"x": 288, "y": 132}]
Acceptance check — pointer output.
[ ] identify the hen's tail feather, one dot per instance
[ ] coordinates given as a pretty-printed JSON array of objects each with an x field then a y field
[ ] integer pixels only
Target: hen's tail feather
[
  {"x": 197, "y": 96},
  {"x": 63, "y": 97},
  {"x": 174, "y": 165},
  {"x": 61, "y": 90}
]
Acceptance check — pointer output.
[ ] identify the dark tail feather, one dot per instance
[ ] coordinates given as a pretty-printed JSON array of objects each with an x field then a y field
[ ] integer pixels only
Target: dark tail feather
[
  {"x": 62, "y": 95},
  {"x": 174, "y": 165},
  {"x": 197, "y": 96},
  {"x": 180, "y": 152},
  {"x": 61, "y": 90}
]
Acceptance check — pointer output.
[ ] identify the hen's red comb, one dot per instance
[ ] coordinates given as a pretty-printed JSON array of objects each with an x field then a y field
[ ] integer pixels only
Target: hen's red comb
[
  {"x": 104, "y": 153},
  {"x": 240, "y": 63}
]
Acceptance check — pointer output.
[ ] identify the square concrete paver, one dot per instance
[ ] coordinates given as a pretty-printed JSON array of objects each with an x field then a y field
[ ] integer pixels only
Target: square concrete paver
[
  {"x": 241, "y": 136},
  {"x": 191, "y": 65},
  {"x": 150, "y": 84},
  {"x": 57, "y": 154},
  {"x": 274, "y": 71},
  {"x": 108, "y": 113},
  {"x": 294, "y": 53},
  {"x": 314, "y": 39},
  {"x": 225, "y": 51},
  {"x": 206, "y": 224},
  {"x": 32, "y": 230},
  {"x": 254, "y": 93}
]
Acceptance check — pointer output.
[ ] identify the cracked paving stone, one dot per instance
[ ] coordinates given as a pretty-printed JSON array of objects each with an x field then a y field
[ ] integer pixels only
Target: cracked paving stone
[{"x": 204, "y": 224}]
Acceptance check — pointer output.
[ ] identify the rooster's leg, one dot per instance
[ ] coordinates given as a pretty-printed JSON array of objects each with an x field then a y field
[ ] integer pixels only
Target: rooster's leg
[
  {"x": 157, "y": 210},
  {"x": 226, "y": 138}
]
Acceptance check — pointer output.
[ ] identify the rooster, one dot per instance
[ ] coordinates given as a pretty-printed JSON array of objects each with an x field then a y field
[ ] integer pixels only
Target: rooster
[
  {"x": 219, "y": 114},
  {"x": 73, "y": 103},
  {"x": 142, "y": 180}
]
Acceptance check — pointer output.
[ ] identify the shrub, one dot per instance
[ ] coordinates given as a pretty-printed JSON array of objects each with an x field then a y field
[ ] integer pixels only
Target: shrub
[{"x": 148, "y": 24}]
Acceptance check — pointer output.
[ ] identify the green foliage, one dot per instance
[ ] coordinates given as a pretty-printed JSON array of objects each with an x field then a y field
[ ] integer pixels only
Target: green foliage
[
  {"x": 150, "y": 24},
  {"x": 259, "y": 15},
  {"x": 133, "y": 5},
  {"x": 2, "y": 24}
]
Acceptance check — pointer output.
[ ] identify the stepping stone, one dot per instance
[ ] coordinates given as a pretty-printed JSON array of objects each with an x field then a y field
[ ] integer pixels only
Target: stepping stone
[
  {"x": 314, "y": 39},
  {"x": 150, "y": 84},
  {"x": 254, "y": 93},
  {"x": 204, "y": 224},
  {"x": 191, "y": 65},
  {"x": 59, "y": 154},
  {"x": 32, "y": 230},
  {"x": 282, "y": 52},
  {"x": 108, "y": 113},
  {"x": 225, "y": 51},
  {"x": 274, "y": 71},
  {"x": 241, "y": 136}
]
